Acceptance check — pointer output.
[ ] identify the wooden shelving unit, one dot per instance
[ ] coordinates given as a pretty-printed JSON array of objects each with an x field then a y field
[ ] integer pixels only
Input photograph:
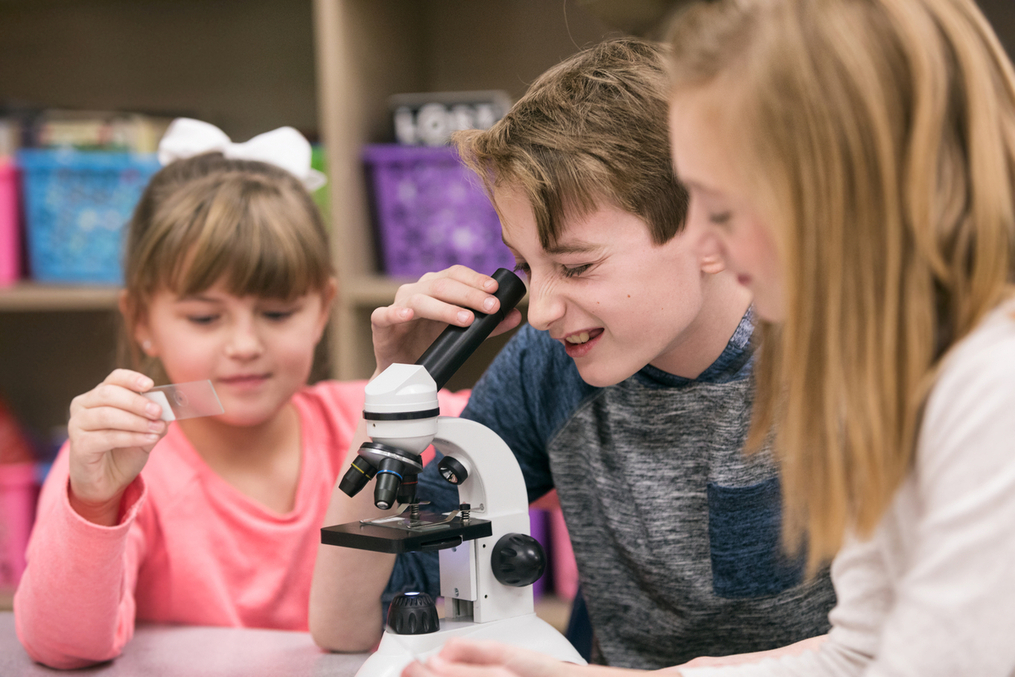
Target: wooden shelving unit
[
  {"x": 321, "y": 65},
  {"x": 30, "y": 297}
]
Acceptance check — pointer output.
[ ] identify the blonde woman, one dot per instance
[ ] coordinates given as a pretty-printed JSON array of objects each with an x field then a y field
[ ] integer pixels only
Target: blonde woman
[{"x": 853, "y": 161}]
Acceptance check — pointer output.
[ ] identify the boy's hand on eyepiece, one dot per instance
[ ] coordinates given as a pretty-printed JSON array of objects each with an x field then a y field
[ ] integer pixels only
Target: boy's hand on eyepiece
[
  {"x": 112, "y": 429},
  {"x": 406, "y": 328}
]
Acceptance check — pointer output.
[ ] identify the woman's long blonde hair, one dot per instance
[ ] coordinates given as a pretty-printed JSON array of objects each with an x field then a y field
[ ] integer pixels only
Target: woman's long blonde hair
[{"x": 881, "y": 134}]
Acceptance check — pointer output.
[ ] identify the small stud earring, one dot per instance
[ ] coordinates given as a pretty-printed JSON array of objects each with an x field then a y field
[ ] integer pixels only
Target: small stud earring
[{"x": 146, "y": 344}]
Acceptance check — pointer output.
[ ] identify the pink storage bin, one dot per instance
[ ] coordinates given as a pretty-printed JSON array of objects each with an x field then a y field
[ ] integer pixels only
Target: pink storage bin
[
  {"x": 565, "y": 570},
  {"x": 10, "y": 235},
  {"x": 18, "y": 493}
]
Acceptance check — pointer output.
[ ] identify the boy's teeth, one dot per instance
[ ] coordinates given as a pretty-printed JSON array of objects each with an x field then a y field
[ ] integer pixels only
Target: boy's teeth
[{"x": 578, "y": 338}]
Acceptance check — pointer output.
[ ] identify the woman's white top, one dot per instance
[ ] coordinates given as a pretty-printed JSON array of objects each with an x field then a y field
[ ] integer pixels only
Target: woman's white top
[{"x": 932, "y": 593}]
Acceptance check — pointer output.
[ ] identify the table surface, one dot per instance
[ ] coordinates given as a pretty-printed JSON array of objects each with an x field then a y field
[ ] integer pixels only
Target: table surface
[{"x": 188, "y": 651}]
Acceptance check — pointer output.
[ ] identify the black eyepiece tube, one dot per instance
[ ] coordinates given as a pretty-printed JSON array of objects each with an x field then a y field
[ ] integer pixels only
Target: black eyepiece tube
[{"x": 455, "y": 344}]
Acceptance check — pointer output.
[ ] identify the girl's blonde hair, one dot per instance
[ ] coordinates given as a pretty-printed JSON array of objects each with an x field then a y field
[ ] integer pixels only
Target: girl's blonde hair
[
  {"x": 883, "y": 137},
  {"x": 210, "y": 218}
]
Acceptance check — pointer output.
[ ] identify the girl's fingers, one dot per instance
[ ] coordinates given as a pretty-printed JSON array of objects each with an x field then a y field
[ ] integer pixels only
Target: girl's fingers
[
  {"x": 116, "y": 396},
  {"x": 131, "y": 380},
  {"x": 113, "y": 418},
  {"x": 122, "y": 439}
]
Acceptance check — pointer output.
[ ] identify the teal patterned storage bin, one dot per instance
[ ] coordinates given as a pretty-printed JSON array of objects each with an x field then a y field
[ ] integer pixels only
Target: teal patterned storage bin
[{"x": 76, "y": 206}]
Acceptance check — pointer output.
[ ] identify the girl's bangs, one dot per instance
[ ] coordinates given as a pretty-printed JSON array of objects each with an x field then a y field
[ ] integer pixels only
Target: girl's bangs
[{"x": 257, "y": 242}]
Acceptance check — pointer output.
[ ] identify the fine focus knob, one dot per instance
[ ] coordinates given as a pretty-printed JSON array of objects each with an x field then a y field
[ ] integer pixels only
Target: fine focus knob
[
  {"x": 413, "y": 613},
  {"x": 518, "y": 560}
]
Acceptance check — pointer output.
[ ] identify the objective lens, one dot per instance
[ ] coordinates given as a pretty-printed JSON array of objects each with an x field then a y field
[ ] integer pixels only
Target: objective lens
[
  {"x": 407, "y": 490},
  {"x": 389, "y": 477},
  {"x": 356, "y": 477}
]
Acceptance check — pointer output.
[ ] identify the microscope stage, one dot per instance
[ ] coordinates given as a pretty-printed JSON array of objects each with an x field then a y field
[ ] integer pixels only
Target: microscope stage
[{"x": 397, "y": 534}]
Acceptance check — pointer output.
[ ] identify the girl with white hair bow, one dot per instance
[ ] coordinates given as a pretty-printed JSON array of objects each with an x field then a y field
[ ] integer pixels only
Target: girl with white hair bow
[{"x": 211, "y": 520}]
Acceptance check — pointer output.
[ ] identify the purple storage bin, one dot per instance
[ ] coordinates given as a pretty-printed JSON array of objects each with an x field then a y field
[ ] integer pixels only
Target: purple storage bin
[{"x": 432, "y": 212}]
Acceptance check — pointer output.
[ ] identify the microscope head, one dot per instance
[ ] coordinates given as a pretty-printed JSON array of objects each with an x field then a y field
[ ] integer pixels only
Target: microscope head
[{"x": 401, "y": 407}]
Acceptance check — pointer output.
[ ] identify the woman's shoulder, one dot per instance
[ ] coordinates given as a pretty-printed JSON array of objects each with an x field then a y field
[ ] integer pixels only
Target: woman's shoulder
[
  {"x": 969, "y": 407},
  {"x": 987, "y": 353}
]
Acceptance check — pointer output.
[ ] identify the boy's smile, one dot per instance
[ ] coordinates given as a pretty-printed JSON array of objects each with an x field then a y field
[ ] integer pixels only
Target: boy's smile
[{"x": 616, "y": 300}]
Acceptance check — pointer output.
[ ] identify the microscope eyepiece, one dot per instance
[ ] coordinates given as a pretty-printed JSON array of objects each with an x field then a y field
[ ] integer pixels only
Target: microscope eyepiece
[{"x": 455, "y": 344}]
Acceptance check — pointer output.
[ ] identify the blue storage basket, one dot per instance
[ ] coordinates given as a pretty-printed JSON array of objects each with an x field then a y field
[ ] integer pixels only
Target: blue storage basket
[{"x": 76, "y": 206}]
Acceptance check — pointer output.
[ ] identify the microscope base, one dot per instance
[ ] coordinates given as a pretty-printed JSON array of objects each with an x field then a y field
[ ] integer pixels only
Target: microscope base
[{"x": 528, "y": 631}]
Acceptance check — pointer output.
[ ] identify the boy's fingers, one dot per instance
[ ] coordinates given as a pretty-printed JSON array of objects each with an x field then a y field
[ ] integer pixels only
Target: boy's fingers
[
  {"x": 513, "y": 319},
  {"x": 389, "y": 316},
  {"x": 460, "y": 293},
  {"x": 466, "y": 276},
  {"x": 426, "y": 307}
]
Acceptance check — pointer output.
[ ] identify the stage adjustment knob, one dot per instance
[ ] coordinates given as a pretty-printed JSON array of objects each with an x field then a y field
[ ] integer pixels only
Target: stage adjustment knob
[
  {"x": 518, "y": 560},
  {"x": 413, "y": 613}
]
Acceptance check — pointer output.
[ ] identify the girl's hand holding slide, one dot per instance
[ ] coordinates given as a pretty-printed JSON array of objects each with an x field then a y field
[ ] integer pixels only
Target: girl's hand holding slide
[
  {"x": 406, "y": 328},
  {"x": 470, "y": 658},
  {"x": 112, "y": 429}
]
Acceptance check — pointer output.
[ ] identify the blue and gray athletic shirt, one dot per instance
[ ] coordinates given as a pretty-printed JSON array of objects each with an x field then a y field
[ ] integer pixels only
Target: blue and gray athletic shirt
[{"x": 675, "y": 531}]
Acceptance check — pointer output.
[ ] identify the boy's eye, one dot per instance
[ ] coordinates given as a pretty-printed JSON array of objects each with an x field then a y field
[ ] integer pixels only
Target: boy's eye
[
  {"x": 522, "y": 267},
  {"x": 720, "y": 218},
  {"x": 574, "y": 271}
]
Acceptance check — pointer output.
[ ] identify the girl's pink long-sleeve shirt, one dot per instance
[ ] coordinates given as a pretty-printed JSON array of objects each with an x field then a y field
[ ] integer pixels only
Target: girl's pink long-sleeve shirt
[{"x": 189, "y": 547}]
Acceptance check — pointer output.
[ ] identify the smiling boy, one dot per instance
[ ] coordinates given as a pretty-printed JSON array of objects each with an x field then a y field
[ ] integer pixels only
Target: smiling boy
[{"x": 629, "y": 391}]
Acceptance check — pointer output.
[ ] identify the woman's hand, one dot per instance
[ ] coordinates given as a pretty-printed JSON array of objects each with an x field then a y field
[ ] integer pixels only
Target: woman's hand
[
  {"x": 406, "y": 328},
  {"x": 112, "y": 429},
  {"x": 470, "y": 658}
]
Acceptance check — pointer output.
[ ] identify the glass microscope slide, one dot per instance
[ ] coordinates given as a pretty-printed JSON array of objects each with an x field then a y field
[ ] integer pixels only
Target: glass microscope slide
[{"x": 186, "y": 400}]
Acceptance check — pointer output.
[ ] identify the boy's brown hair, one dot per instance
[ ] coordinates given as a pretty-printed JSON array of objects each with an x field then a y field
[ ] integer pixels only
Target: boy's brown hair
[{"x": 593, "y": 127}]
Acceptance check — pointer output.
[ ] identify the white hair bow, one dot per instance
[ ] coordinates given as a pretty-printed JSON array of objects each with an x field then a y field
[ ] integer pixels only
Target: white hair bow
[{"x": 283, "y": 147}]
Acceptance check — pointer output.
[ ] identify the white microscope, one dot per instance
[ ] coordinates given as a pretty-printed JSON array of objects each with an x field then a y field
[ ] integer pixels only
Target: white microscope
[{"x": 488, "y": 560}]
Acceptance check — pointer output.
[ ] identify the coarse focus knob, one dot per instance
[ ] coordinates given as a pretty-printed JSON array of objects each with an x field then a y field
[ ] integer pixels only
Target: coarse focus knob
[
  {"x": 518, "y": 560},
  {"x": 452, "y": 470},
  {"x": 413, "y": 613}
]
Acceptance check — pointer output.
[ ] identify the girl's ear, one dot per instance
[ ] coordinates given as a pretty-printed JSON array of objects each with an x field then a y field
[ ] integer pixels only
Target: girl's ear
[
  {"x": 328, "y": 294},
  {"x": 137, "y": 323}
]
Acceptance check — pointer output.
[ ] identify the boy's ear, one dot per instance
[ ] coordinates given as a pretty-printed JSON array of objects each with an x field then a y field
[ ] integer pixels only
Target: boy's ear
[{"x": 136, "y": 321}]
